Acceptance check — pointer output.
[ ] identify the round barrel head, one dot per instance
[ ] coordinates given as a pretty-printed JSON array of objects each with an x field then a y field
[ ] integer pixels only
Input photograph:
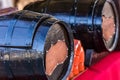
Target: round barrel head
[
  {"x": 58, "y": 52},
  {"x": 109, "y": 26}
]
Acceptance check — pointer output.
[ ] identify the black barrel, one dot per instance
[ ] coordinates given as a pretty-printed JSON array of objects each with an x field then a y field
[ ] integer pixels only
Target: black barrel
[
  {"x": 94, "y": 22},
  {"x": 26, "y": 38}
]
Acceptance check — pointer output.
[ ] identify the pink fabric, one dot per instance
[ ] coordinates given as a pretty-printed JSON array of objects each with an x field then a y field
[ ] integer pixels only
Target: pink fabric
[{"x": 106, "y": 69}]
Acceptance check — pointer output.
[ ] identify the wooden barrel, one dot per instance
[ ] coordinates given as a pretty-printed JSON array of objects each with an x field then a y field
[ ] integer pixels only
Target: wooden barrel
[
  {"x": 34, "y": 46},
  {"x": 94, "y": 22}
]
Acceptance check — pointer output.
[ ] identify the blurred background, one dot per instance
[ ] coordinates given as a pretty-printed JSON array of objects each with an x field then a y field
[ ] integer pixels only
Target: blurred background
[{"x": 15, "y": 3}]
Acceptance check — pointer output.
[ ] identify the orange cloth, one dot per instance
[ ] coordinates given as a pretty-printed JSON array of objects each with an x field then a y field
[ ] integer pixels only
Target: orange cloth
[{"x": 78, "y": 62}]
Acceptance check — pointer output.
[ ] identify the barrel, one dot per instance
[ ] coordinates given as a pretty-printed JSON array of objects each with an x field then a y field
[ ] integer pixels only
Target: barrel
[
  {"x": 94, "y": 22},
  {"x": 34, "y": 46}
]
